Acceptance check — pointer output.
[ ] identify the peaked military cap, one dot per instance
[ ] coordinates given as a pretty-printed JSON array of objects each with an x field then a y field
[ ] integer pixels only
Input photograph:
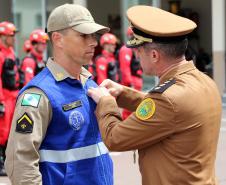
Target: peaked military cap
[{"x": 151, "y": 24}]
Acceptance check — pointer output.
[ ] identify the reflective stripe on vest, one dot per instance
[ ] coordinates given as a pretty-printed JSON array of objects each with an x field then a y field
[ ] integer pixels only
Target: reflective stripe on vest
[{"x": 64, "y": 156}]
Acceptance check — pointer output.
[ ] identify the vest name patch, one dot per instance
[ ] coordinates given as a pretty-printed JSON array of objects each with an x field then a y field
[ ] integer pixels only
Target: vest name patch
[{"x": 72, "y": 105}]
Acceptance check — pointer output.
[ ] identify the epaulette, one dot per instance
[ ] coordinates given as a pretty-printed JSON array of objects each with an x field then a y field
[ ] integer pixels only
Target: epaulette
[{"x": 162, "y": 87}]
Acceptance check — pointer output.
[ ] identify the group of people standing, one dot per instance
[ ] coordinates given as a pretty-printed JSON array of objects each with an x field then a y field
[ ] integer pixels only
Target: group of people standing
[
  {"x": 118, "y": 65},
  {"x": 14, "y": 74},
  {"x": 64, "y": 124}
]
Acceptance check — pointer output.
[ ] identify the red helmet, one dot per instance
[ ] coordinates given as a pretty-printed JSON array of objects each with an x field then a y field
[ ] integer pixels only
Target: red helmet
[
  {"x": 7, "y": 28},
  {"x": 129, "y": 32},
  {"x": 39, "y": 36},
  {"x": 27, "y": 46},
  {"x": 108, "y": 38}
]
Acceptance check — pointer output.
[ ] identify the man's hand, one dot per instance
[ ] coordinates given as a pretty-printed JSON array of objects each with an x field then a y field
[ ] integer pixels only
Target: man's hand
[
  {"x": 97, "y": 93},
  {"x": 114, "y": 88}
]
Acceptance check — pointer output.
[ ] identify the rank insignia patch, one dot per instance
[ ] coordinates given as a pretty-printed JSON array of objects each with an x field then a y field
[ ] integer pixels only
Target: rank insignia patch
[
  {"x": 31, "y": 99},
  {"x": 162, "y": 87},
  {"x": 146, "y": 109},
  {"x": 24, "y": 124}
]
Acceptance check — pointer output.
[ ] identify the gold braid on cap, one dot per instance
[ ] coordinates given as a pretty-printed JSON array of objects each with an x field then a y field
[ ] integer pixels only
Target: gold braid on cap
[
  {"x": 144, "y": 39},
  {"x": 134, "y": 42}
]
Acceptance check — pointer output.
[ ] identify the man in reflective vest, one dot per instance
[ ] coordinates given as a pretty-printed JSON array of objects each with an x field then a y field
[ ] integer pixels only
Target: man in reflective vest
[{"x": 54, "y": 137}]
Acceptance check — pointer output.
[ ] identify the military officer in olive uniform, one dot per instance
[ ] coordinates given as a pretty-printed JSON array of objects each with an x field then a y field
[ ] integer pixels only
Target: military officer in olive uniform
[{"x": 175, "y": 126}]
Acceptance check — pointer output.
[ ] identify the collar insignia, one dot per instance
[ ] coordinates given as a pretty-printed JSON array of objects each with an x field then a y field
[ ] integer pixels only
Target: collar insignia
[{"x": 59, "y": 76}]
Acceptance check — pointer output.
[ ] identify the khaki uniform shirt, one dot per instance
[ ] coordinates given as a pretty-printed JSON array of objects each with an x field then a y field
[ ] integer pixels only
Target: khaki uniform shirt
[
  {"x": 175, "y": 128},
  {"x": 22, "y": 154}
]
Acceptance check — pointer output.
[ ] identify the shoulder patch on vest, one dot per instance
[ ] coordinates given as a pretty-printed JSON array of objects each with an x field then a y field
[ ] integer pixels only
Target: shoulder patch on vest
[
  {"x": 146, "y": 109},
  {"x": 24, "y": 124},
  {"x": 31, "y": 99},
  {"x": 162, "y": 87}
]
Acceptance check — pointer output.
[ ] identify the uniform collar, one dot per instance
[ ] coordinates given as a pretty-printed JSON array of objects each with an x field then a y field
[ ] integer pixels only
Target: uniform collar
[
  {"x": 59, "y": 73},
  {"x": 177, "y": 70}
]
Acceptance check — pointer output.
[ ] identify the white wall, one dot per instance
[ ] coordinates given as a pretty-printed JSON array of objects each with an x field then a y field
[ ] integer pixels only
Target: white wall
[
  {"x": 101, "y": 9},
  {"x": 5, "y": 11}
]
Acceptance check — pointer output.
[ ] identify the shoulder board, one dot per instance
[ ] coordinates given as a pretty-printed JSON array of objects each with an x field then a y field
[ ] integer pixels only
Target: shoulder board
[{"x": 162, "y": 87}]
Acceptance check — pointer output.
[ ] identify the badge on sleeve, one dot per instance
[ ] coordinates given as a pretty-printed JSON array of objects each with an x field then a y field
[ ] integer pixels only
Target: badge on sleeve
[
  {"x": 24, "y": 124},
  {"x": 146, "y": 109},
  {"x": 31, "y": 99}
]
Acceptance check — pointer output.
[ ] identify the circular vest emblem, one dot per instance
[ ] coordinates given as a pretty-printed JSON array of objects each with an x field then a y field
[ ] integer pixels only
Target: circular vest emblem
[
  {"x": 146, "y": 109},
  {"x": 76, "y": 120}
]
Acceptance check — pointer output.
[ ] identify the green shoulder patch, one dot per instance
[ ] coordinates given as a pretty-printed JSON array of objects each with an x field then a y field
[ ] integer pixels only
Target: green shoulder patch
[
  {"x": 31, "y": 99},
  {"x": 24, "y": 124},
  {"x": 162, "y": 87},
  {"x": 146, "y": 109}
]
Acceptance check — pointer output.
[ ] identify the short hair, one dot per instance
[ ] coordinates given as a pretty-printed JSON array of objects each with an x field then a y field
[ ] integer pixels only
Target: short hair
[
  {"x": 63, "y": 32},
  {"x": 170, "y": 49}
]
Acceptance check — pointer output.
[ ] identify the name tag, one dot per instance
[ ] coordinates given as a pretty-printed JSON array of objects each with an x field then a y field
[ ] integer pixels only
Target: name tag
[{"x": 72, "y": 105}]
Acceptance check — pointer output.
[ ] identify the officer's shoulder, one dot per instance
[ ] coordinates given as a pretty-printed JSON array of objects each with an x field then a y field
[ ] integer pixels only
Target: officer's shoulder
[{"x": 163, "y": 86}]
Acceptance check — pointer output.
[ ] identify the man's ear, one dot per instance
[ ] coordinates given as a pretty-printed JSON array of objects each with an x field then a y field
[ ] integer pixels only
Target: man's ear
[
  {"x": 57, "y": 39},
  {"x": 155, "y": 55}
]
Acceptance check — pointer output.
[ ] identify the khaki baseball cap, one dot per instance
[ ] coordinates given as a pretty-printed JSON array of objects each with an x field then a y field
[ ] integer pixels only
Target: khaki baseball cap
[{"x": 76, "y": 17}]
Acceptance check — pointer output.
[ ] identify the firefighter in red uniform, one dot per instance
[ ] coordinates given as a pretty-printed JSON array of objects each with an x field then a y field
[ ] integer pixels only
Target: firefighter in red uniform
[
  {"x": 33, "y": 63},
  {"x": 9, "y": 84},
  {"x": 131, "y": 72},
  {"x": 106, "y": 65},
  {"x": 27, "y": 46}
]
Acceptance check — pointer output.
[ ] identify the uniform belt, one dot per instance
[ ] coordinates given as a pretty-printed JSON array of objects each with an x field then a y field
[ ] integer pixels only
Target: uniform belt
[{"x": 71, "y": 155}]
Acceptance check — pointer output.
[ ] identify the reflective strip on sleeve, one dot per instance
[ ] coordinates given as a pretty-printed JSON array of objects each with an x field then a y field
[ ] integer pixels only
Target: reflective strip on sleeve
[{"x": 64, "y": 156}]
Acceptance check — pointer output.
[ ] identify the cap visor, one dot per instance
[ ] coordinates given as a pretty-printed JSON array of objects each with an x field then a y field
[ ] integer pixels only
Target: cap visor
[{"x": 90, "y": 27}]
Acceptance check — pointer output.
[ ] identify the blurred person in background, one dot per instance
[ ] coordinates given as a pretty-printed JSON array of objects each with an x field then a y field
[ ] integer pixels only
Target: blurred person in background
[
  {"x": 131, "y": 72},
  {"x": 33, "y": 63},
  {"x": 9, "y": 84},
  {"x": 27, "y": 46},
  {"x": 106, "y": 64}
]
